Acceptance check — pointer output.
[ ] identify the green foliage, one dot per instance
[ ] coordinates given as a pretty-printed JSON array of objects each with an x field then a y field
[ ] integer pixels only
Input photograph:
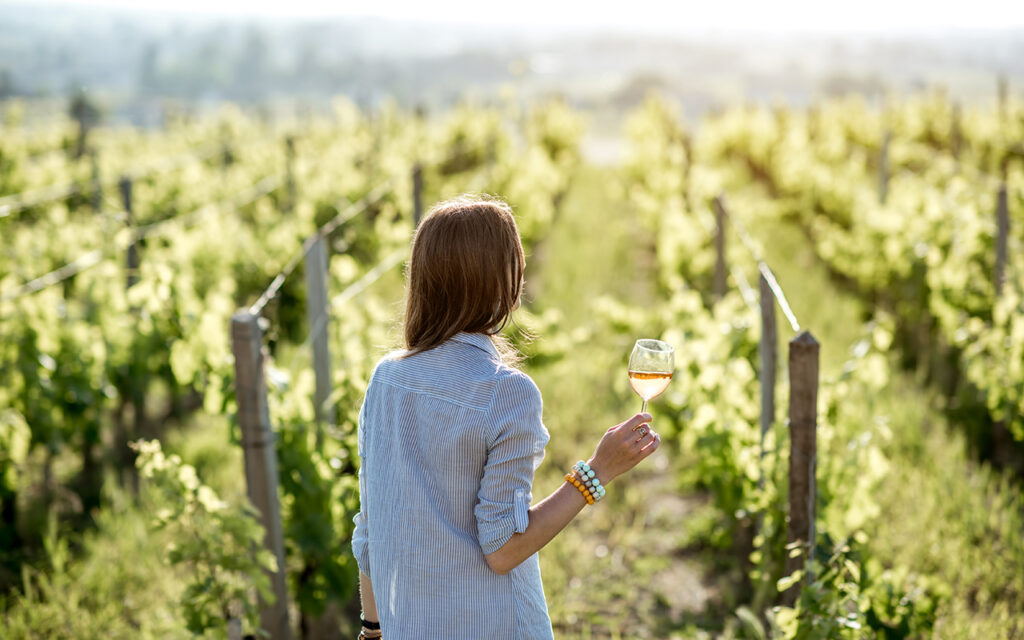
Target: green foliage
[
  {"x": 921, "y": 263},
  {"x": 557, "y": 129},
  {"x": 74, "y": 355},
  {"x": 220, "y": 544},
  {"x": 320, "y": 492},
  {"x": 111, "y": 582},
  {"x": 841, "y": 598},
  {"x": 912, "y": 268},
  {"x": 927, "y": 254},
  {"x": 14, "y": 443}
]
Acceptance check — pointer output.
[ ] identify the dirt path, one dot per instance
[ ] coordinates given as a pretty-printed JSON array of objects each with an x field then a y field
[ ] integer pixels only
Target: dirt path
[{"x": 626, "y": 567}]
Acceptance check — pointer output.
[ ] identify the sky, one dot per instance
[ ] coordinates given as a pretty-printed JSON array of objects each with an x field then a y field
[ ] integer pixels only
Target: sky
[{"x": 642, "y": 15}]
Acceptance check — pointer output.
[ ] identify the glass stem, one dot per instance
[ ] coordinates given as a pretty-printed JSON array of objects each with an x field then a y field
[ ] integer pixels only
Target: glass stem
[{"x": 643, "y": 407}]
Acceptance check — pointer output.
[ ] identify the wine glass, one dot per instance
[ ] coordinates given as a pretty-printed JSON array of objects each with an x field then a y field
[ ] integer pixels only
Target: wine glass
[{"x": 650, "y": 368}]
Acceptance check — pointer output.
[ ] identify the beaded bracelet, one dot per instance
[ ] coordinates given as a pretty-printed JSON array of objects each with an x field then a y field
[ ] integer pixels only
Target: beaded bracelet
[
  {"x": 576, "y": 482},
  {"x": 590, "y": 478},
  {"x": 584, "y": 478}
]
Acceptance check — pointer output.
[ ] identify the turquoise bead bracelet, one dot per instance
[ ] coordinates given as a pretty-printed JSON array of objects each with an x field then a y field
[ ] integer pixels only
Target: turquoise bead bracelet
[{"x": 590, "y": 479}]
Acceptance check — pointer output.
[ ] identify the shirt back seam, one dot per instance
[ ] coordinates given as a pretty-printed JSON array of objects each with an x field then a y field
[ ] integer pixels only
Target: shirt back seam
[{"x": 423, "y": 392}]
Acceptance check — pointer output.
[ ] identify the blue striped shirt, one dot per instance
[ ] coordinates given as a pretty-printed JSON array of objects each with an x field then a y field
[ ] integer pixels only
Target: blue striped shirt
[{"x": 449, "y": 440}]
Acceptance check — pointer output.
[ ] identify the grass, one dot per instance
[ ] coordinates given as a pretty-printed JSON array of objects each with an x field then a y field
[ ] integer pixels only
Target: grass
[
  {"x": 115, "y": 585},
  {"x": 946, "y": 523},
  {"x": 634, "y": 547},
  {"x": 112, "y": 580},
  {"x": 643, "y": 544}
]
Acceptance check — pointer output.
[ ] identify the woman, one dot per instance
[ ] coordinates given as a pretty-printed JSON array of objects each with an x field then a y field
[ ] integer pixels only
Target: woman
[{"x": 450, "y": 434}]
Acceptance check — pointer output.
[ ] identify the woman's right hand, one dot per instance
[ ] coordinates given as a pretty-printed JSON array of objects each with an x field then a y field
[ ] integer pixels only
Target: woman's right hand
[{"x": 623, "y": 447}]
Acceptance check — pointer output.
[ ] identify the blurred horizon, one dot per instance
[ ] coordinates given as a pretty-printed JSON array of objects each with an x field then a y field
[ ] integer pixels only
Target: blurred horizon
[
  {"x": 133, "y": 59},
  {"x": 652, "y": 16}
]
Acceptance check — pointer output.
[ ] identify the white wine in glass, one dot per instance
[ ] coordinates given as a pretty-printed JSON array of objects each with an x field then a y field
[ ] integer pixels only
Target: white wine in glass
[{"x": 650, "y": 368}]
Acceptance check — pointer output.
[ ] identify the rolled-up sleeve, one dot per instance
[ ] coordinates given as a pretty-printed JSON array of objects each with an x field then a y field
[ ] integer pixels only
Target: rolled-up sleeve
[
  {"x": 361, "y": 535},
  {"x": 515, "y": 448}
]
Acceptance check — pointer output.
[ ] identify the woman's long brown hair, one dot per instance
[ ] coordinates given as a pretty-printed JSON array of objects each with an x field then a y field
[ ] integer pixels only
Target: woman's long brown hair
[{"x": 465, "y": 274}]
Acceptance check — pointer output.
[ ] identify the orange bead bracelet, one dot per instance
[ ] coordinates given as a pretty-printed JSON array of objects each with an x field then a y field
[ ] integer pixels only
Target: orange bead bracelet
[{"x": 575, "y": 481}]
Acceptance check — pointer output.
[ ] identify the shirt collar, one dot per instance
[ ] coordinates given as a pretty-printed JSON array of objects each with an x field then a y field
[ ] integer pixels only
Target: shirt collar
[{"x": 478, "y": 340}]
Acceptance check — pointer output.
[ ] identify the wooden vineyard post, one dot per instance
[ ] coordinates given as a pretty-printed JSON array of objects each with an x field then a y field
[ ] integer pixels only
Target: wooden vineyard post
[
  {"x": 227, "y": 156},
  {"x": 803, "y": 451},
  {"x": 86, "y": 115},
  {"x": 260, "y": 459},
  {"x": 769, "y": 356},
  {"x": 1002, "y": 233},
  {"x": 132, "y": 259},
  {"x": 97, "y": 186},
  {"x": 1001, "y": 438},
  {"x": 289, "y": 147},
  {"x": 377, "y": 131},
  {"x": 134, "y": 394},
  {"x": 883, "y": 168},
  {"x": 316, "y": 315},
  {"x": 719, "y": 247},
  {"x": 417, "y": 193}
]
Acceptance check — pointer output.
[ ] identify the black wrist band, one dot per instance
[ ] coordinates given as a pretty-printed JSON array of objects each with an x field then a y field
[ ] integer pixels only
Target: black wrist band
[{"x": 369, "y": 626}]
